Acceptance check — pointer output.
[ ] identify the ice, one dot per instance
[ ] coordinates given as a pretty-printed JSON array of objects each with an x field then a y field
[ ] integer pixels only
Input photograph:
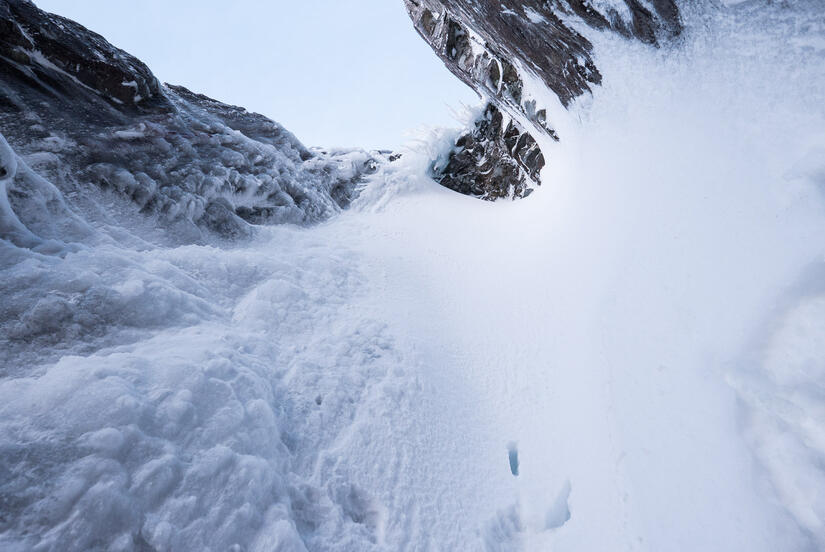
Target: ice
[{"x": 192, "y": 436}]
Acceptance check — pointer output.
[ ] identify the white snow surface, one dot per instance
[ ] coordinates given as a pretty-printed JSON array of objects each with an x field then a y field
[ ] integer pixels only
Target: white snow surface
[{"x": 642, "y": 341}]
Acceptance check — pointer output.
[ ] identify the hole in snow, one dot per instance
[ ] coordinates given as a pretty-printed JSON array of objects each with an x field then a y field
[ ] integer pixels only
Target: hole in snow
[
  {"x": 512, "y": 453},
  {"x": 559, "y": 512}
]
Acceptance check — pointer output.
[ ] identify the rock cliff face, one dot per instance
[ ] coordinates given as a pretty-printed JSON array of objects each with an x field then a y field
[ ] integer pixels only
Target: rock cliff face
[
  {"x": 97, "y": 123},
  {"x": 95, "y": 120},
  {"x": 498, "y": 47}
]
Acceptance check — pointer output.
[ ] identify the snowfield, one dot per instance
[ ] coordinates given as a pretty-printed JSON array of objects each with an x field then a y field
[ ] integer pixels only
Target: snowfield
[{"x": 641, "y": 341}]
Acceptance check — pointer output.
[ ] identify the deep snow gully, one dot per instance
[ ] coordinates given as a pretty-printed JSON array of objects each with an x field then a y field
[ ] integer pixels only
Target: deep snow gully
[{"x": 630, "y": 359}]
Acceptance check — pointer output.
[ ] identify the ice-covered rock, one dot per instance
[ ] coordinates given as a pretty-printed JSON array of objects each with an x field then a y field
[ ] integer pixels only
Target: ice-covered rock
[
  {"x": 504, "y": 50},
  {"x": 95, "y": 119},
  {"x": 495, "y": 159}
]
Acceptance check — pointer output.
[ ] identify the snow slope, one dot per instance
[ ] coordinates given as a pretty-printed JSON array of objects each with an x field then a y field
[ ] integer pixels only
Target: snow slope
[{"x": 642, "y": 338}]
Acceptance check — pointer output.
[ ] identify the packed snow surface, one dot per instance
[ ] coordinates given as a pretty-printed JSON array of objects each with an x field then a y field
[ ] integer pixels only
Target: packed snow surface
[{"x": 631, "y": 359}]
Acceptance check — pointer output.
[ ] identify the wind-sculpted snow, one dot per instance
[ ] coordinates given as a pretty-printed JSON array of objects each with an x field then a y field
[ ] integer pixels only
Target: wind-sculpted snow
[
  {"x": 782, "y": 390},
  {"x": 94, "y": 118},
  {"x": 206, "y": 436}
]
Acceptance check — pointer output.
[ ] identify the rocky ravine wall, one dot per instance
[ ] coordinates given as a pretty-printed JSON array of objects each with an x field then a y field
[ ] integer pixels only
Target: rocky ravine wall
[
  {"x": 96, "y": 122},
  {"x": 489, "y": 44}
]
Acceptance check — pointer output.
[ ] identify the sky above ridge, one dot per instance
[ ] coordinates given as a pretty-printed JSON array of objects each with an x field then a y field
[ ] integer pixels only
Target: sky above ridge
[{"x": 334, "y": 72}]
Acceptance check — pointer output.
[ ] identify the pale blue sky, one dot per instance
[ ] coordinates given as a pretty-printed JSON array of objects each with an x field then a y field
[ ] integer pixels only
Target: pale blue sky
[{"x": 334, "y": 72}]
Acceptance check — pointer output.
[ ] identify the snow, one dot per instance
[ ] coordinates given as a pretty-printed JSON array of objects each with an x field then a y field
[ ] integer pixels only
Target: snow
[
  {"x": 614, "y": 9},
  {"x": 640, "y": 341},
  {"x": 534, "y": 16}
]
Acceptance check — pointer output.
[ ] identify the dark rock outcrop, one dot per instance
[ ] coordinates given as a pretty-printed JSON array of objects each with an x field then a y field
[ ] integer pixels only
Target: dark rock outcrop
[
  {"x": 493, "y": 160},
  {"x": 95, "y": 120},
  {"x": 498, "y": 47},
  {"x": 54, "y": 58}
]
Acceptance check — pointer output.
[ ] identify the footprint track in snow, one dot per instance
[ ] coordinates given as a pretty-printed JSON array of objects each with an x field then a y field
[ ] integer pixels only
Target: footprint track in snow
[{"x": 512, "y": 455}]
